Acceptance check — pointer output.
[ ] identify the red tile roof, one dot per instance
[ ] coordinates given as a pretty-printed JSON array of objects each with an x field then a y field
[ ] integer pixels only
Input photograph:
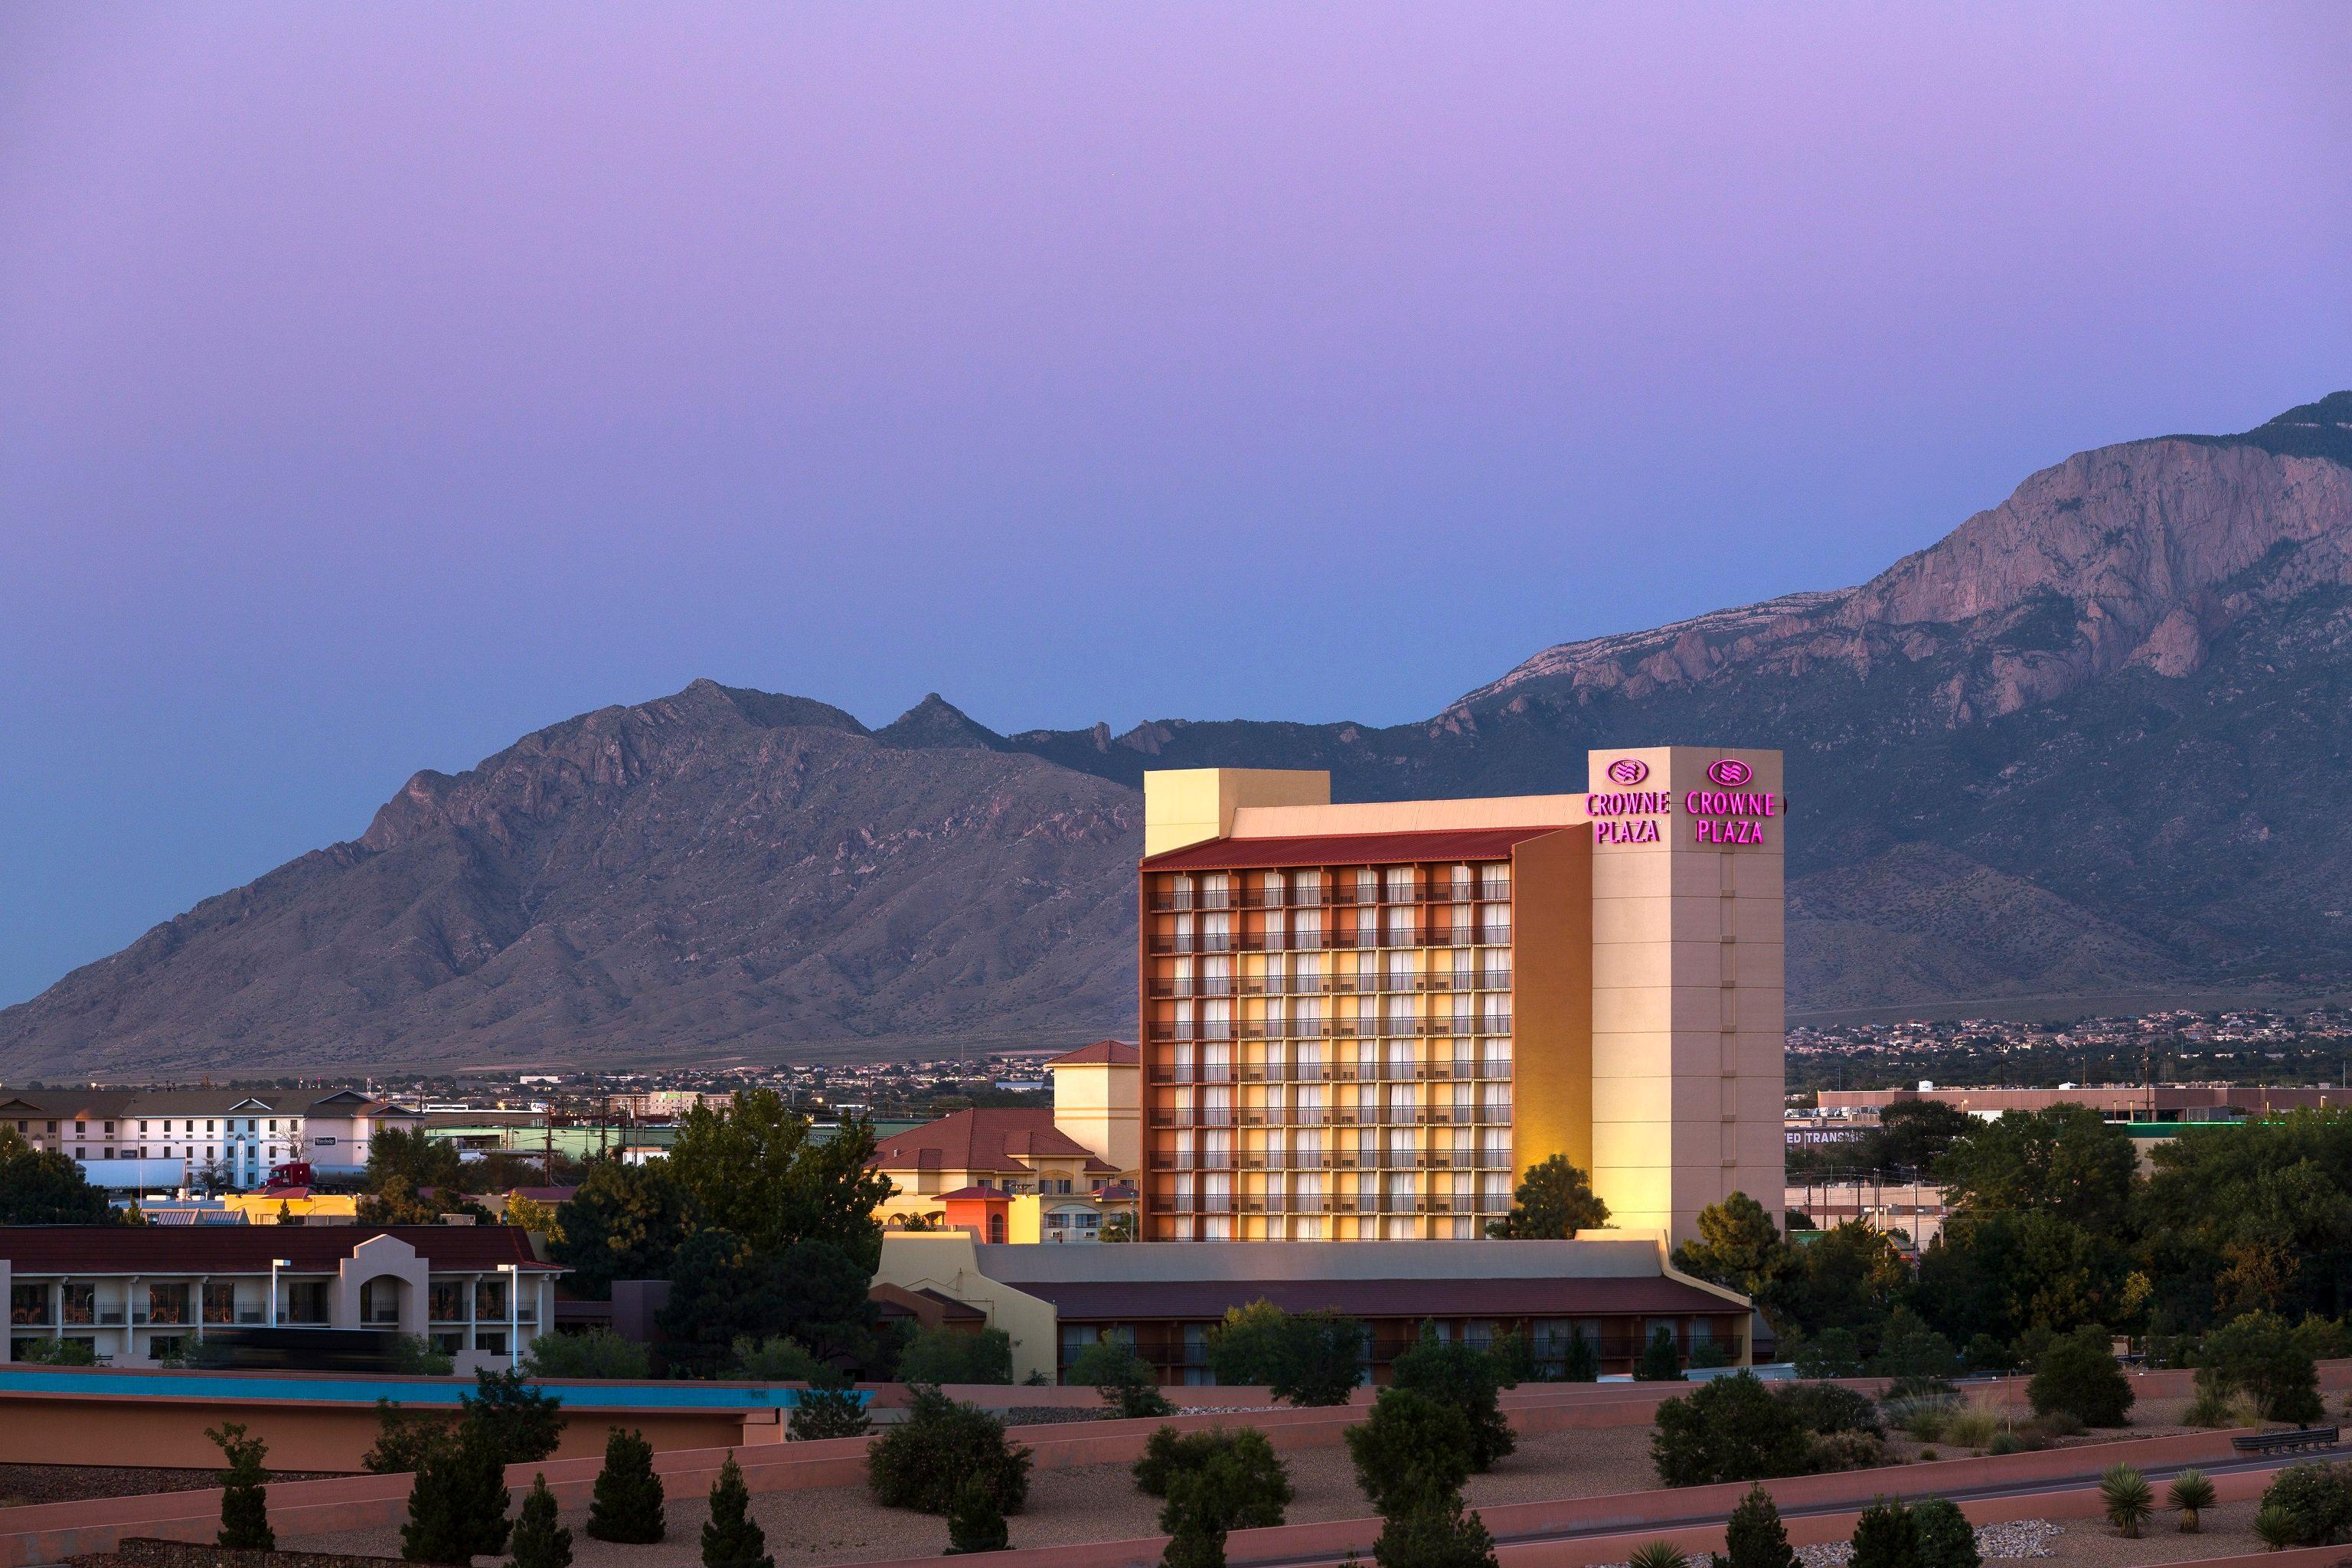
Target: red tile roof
[
  {"x": 247, "y": 1250},
  {"x": 984, "y": 1140},
  {"x": 1117, "y": 1053},
  {"x": 1348, "y": 849}
]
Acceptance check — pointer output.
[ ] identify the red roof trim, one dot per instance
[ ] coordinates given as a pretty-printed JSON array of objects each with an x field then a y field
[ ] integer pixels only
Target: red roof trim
[{"x": 1348, "y": 849}]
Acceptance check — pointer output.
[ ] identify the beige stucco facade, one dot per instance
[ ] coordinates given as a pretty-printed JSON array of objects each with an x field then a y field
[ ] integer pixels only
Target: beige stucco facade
[
  {"x": 948, "y": 1262},
  {"x": 1097, "y": 1103}
]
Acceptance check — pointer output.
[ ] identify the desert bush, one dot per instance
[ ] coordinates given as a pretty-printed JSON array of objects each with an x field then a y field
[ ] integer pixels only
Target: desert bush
[
  {"x": 2078, "y": 1375},
  {"x": 2192, "y": 1493},
  {"x": 1728, "y": 1429},
  {"x": 1660, "y": 1361},
  {"x": 779, "y": 1359},
  {"x": 1885, "y": 1536},
  {"x": 1971, "y": 1426},
  {"x": 1947, "y": 1539},
  {"x": 1252, "y": 1486},
  {"x": 1440, "y": 1533},
  {"x": 1828, "y": 1451},
  {"x": 2127, "y": 1498},
  {"x": 2317, "y": 1501},
  {"x": 1408, "y": 1451},
  {"x": 1754, "y": 1537},
  {"x": 1455, "y": 1373},
  {"x": 952, "y": 1355},
  {"x": 2274, "y": 1527},
  {"x": 598, "y": 1353},
  {"x": 1123, "y": 1378},
  {"x": 921, "y": 1462},
  {"x": 1826, "y": 1407},
  {"x": 1305, "y": 1358},
  {"x": 2260, "y": 1354},
  {"x": 1238, "y": 1484}
]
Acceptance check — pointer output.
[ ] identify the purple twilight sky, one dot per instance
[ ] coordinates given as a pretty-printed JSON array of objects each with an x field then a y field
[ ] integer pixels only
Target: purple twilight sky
[{"x": 378, "y": 383}]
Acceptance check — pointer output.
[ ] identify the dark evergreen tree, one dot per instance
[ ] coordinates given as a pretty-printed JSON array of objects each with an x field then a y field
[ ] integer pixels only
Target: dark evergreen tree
[
  {"x": 627, "y": 1505},
  {"x": 731, "y": 1538},
  {"x": 245, "y": 1499},
  {"x": 1455, "y": 1373},
  {"x": 822, "y": 1413},
  {"x": 1947, "y": 1539},
  {"x": 1410, "y": 1451},
  {"x": 538, "y": 1541},
  {"x": 457, "y": 1507},
  {"x": 1435, "y": 1534},
  {"x": 1885, "y": 1536},
  {"x": 923, "y": 1460},
  {"x": 1755, "y": 1538},
  {"x": 1660, "y": 1362},
  {"x": 523, "y": 1424},
  {"x": 1581, "y": 1362},
  {"x": 975, "y": 1522}
]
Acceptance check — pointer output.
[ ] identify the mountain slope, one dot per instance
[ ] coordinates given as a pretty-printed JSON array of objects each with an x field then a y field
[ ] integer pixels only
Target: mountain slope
[{"x": 2091, "y": 744}]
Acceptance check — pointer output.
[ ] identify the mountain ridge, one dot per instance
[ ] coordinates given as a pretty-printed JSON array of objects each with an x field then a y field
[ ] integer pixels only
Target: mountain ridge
[{"x": 2089, "y": 742}]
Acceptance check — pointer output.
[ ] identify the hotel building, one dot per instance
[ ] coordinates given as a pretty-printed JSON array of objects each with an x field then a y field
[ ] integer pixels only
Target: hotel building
[{"x": 1365, "y": 1021}]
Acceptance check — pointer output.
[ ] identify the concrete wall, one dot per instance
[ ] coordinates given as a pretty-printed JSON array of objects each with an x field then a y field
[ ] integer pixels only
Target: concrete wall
[
  {"x": 1188, "y": 805},
  {"x": 948, "y": 1262}
]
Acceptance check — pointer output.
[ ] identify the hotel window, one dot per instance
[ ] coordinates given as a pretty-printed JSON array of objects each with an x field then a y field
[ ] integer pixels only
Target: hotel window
[
  {"x": 1495, "y": 970},
  {"x": 1400, "y": 971},
  {"x": 1368, "y": 885},
  {"x": 1306, "y": 929},
  {"x": 1217, "y": 1061},
  {"x": 1401, "y": 1062},
  {"x": 1270, "y": 888},
  {"x": 142, "y": 1128},
  {"x": 1180, "y": 893},
  {"x": 1403, "y": 929},
  {"x": 1216, "y": 891},
  {"x": 1277, "y": 1150},
  {"x": 1400, "y": 880},
  {"x": 1307, "y": 1192},
  {"x": 1217, "y": 1149},
  {"x": 1494, "y": 924},
  {"x": 220, "y": 1302},
  {"x": 1458, "y": 930},
  {"x": 1180, "y": 1196},
  {"x": 1401, "y": 1153},
  {"x": 1459, "y": 881},
  {"x": 1217, "y": 1020},
  {"x": 1368, "y": 930},
  {"x": 1495, "y": 1013},
  {"x": 1495, "y": 1192},
  {"x": 1216, "y": 933},
  {"x": 1307, "y": 1146},
  {"x": 1307, "y": 887},
  {"x": 1184, "y": 940},
  {"x": 1217, "y": 1106},
  {"x": 1310, "y": 1063},
  {"x": 1495, "y": 1059},
  {"x": 1216, "y": 1191},
  {"x": 1494, "y": 1104},
  {"x": 1310, "y": 1104},
  {"x": 1307, "y": 1021},
  {"x": 1368, "y": 1191},
  {"x": 1403, "y": 1195},
  {"x": 1495, "y": 881},
  {"x": 1495, "y": 1149}
]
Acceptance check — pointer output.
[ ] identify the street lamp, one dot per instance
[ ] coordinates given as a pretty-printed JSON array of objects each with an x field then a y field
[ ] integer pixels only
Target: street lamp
[
  {"x": 275, "y": 1264},
  {"x": 513, "y": 1271}
]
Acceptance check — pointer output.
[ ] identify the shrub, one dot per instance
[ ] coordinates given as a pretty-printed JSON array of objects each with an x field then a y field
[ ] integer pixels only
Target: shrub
[
  {"x": 244, "y": 1497},
  {"x": 2049, "y": 1427},
  {"x": 1826, "y": 1407},
  {"x": 2078, "y": 1375},
  {"x": 2259, "y": 1354},
  {"x": 1123, "y": 1378},
  {"x": 952, "y": 1355},
  {"x": 598, "y": 1353},
  {"x": 2007, "y": 1442},
  {"x": 57, "y": 1352},
  {"x": 776, "y": 1359},
  {"x": 1455, "y": 1373},
  {"x": 1885, "y": 1536},
  {"x": 538, "y": 1541},
  {"x": 1255, "y": 1480},
  {"x": 627, "y": 1506},
  {"x": 403, "y": 1438},
  {"x": 411, "y": 1355},
  {"x": 1971, "y": 1426},
  {"x": 1947, "y": 1539},
  {"x": 1438, "y": 1534},
  {"x": 458, "y": 1505},
  {"x": 1836, "y": 1352},
  {"x": 1728, "y": 1429},
  {"x": 1660, "y": 1362},
  {"x": 1410, "y": 1451},
  {"x": 1580, "y": 1360},
  {"x": 2215, "y": 1403},
  {"x": 522, "y": 1424},
  {"x": 921, "y": 1462},
  {"x": 1237, "y": 1483},
  {"x": 1923, "y": 1420},
  {"x": 2127, "y": 1498},
  {"x": 1657, "y": 1555},
  {"x": 975, "y": 1523},
  {"x": 731, "y": 1538},
  {"x": 1754, "y": 1537},
  {"x": 1829, "y": 1451},
  {"x": 2192, "y": 1493},
  {"x": 1986, "y": 1353},
  {"x": 2317, "y": 1501},
  {"x": 2276, "y": 1527},
  {"x": 1305, "y": 1358},
  {"x": 1912, "y": 1349},
  {"x": 822, "y": 1413}
]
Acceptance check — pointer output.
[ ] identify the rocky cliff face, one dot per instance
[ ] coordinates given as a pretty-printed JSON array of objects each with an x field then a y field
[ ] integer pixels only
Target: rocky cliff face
[{"x": 2093, "y": 744}]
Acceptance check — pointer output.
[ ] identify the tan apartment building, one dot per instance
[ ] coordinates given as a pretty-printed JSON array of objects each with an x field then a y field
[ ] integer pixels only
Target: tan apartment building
[{"x": 1364, "y": 1021}]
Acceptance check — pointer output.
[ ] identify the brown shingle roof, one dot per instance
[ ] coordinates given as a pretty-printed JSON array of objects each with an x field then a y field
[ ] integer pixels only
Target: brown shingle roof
[
  {"x": 247, "y": 1250},
  {"x": 1098, "y": 1300},
  {"x": 982, "y": 1140},
  {"x": 1348, "y": 850}
]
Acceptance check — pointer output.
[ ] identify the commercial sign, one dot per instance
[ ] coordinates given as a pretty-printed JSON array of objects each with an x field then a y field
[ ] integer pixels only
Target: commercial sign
[{"x": 1725, "y": 816}]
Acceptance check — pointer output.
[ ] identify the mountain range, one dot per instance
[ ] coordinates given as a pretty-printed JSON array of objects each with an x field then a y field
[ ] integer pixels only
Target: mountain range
[{"x": 2087, "y": 750}]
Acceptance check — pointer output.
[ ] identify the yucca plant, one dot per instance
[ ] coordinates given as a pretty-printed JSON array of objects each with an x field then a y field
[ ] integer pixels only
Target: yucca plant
[
  {"x": 2192, "y": 1493},
  {"x": 2128, "y": 1498},
  {"x": 2276, "y": 1527},
  {"x": 1658, "y": 1554}
]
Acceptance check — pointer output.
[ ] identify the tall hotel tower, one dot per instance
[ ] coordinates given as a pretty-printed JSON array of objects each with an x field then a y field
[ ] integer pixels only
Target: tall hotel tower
[{"x": 1366, "y": 1021}]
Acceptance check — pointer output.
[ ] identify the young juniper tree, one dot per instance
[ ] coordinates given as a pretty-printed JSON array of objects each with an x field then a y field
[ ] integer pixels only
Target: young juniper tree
[
  {"x": 1947, "y": 1539},
  {"x": 822, "y": 1413},
  {"x": 1754, "y": 1537},
  {"x": 1660, "y": 1362},
  {"x": 1453, "y": 1374},
  {"x": 923, "y": 1460},
  {"x": 457, "y": 1506},
  {"x": 1305, "y": 1358},
  {"x": 731, "y": 1538},
  {"x": 975, "y": 1522},
  {"x": 1886, "y": 1536},
  {"x": 1124, "y": 1379},
  {"x": 628, "y": 1504},
  {"x": 245, "y": 1502},
  {"x": 538, "y": 1541},
  {"x": 523, "y": 1424},
  {"x": 1581, "y": 1362}
]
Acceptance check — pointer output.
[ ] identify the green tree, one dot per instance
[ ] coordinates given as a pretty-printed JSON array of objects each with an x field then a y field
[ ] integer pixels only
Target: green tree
[
  {"x": 1438, "y": 1534},
  {"x": 954, "y": 1355},
  {"x": 2077, "y": 1374},
  {"x": 1738, "y": 1245},
  {"x": 1885, "y": 1536},
  {"x": 731, "y": 1538},
  {"x": 522, "y": 1423},
  {"x": 1833, "y": 1353},
  {"x": 975, "y": 1522},
  {"x": 2261, "y": 1356},
  {"x": 402, "y": 1164},
  {"x": 2005, "y": 1275},
  {"x": 1754, "y": 1537},
  {"x": 540, "y": 1540},
  {"x": 599, "y": 1352},
  {"x": 1947, "y": 1539},
  {"x": 1124, "y": 1379},
  {"x": 780, "y": 1359},
  {"x": 1554, "y": 1201},
  {"x": 57, "y": 1352},
  {"x": 529, "y": 1214},
  {"x": 822, "y": 1413},
  {"x": 1305, "y": 1358},
  {"x": 1727, "y": 1429},
  {"x": 403, "y": 1438},
  {"x": 1911, "y": 1136},
  {"x": 919, "y": 1463},
  {"x": 754, "y": 1168},
  {"x": 627, "y": 1505},
  {"x": 1659, "y": 1362},
  {"x": 723, "y": 1288},
  {"x": 47, "y": 1188},
  {"x": 625, "y": 1222},
  {"x": 1117, "y": 1228},
  {"x": 2250, "y": 1218},
  {"x": 244, "y": 1497},
  {"x": 2064, "y": 1161},
  {"x": 458, "y": 1504},
  {"x": 1579, "y": 1359},
  {"x": 1234, "y": 1481},
  {"x": 1410, "y": 1452},
  {"x": 1848, "y": 1277},
  {"x": 2314, "y": 1502},
  {"x": 1456, "y": 1374}
]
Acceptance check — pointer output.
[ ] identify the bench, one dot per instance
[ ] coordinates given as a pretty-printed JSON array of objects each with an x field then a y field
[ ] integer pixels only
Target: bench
[{"x": 2284, "y": 1439}]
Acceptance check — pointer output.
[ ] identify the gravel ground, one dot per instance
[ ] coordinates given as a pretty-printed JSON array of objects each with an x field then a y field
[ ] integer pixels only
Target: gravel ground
[{"x": 21, "y": 1484}]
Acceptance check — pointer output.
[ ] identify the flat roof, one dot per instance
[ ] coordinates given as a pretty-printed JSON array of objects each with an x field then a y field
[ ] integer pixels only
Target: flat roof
[
  {"x": 1210, "y": 1299},
  {"x": 1349, "y": 849},
  {"x": 247, "y": 1250}
]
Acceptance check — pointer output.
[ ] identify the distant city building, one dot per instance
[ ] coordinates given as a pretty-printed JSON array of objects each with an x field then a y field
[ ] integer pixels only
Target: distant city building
[
  {"x": 2162, "y": 1103},
  {"x": 135, "y": 1140},
  {"x": 1363, "y": 1022}
]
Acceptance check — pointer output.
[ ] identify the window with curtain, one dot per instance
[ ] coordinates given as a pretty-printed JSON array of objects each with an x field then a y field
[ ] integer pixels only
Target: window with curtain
[
  {"x": 1402, "y": 929},
  {"x": 1399, "y": 880}
]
